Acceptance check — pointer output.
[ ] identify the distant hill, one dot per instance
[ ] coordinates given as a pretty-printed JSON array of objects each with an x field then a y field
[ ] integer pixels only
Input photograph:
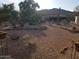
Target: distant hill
[{"x": 55, "y": 12}]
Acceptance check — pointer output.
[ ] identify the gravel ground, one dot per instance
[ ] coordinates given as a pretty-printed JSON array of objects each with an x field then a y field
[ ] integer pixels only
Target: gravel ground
[{"x": 47, "y": 44}]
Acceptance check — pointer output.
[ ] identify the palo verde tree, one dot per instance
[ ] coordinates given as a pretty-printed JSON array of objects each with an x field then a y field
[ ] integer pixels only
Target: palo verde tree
[{"x": 28, "y": 13}]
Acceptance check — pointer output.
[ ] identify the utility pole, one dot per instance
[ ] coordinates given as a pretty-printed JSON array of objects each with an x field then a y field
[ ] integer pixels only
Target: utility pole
[{"x": 58, "y": 17}]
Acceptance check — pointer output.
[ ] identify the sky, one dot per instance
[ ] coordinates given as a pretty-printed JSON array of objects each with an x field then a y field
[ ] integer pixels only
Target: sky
[{"x": 49, "y": 4}]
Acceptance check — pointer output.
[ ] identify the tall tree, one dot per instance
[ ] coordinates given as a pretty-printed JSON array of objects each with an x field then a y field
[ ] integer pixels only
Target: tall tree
[{"x": 28, "y": 11}]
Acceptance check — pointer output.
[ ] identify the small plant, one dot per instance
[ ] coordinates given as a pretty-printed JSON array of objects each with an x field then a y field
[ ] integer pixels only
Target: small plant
[
  {"x": 64, "y": 50},
  {"x": 43, "y": 28},
  {"x": 14, "y": 36},
  {"x": 74, "y": 28}
]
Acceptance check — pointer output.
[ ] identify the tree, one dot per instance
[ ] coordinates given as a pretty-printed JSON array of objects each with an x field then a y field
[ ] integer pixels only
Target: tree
[
  {"x": 4, "y": 13},
  {"x": 28, "y": 11},
  {"x": 76, "y": 10},
  {"x": 7, "y": 13}
]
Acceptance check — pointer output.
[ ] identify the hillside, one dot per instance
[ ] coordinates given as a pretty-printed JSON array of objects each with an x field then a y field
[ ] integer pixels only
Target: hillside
[{"x": 55, "y": 12}]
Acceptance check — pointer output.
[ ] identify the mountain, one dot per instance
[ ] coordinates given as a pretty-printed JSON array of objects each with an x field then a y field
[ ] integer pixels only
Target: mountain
[{"x": 55, "y": 12}]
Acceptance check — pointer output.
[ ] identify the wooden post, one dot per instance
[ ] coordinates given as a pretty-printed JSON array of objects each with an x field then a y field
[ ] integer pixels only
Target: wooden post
[
  {"x": 2, "y": 36},
  {"x": 74, "y": 54},
  {"x": 72, "y": 48},
  {"x": 76, "y": 48}
]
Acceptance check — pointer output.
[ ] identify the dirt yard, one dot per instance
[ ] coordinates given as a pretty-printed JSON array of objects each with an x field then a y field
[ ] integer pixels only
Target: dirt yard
[{"x": 47, "y": 44}]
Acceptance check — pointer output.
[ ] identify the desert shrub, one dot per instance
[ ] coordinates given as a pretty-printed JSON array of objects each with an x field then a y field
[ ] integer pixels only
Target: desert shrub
[
  {"x": 43, "y": 28},
  {"x": 74, "y": 28},
  {"x": 14, "y": 36}
]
